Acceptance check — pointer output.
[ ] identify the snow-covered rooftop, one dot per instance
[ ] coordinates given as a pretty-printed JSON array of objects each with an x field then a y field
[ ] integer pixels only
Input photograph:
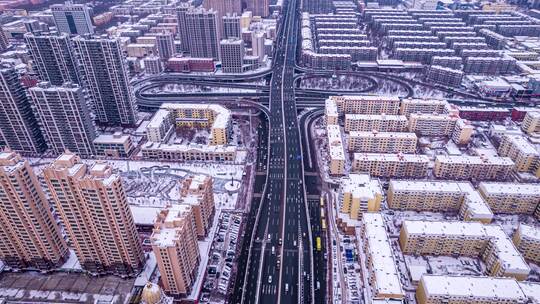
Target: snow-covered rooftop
[
  {"x": 474, "y": 160},
  {"x": 387, "y": 277},
  {"x": 335, "y": 143}
]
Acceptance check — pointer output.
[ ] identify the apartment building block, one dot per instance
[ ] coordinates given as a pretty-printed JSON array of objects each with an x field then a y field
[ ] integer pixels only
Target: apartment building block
[
  {"x": 482, "y": 167},
  {"x": 391, "y": 164},
  {"x": 489, "y": 242},
  {"x": 198, "y": 192},
  {"x": 384, "y": 277},
  {"x": 440, "y": 289},
  {"x": 92, "y": 204},
  {"x": 511, "y": 198},
  {"x": 527, "y": 240},
  {"x": 462, "y": 132},
  {"x": 361, "y": 104},
  {"x": 432, "y": 124},
  {"x": 382, "y": 142},
  {"x": 523, "y": 153},
  {"x": 360, "y": 194},
  {"x": 381, "y": 122},
  {"x": 335, "y": 150},
  {"x": 531, "y": 123},
  {"x": 29, "y": 234},
  {"x": 174, "y": 242},
  {"x": 425, "y": 106}
]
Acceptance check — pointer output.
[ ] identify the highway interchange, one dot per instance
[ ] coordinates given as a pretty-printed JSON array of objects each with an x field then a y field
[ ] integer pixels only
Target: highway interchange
[{"x": 278, "y": 262}]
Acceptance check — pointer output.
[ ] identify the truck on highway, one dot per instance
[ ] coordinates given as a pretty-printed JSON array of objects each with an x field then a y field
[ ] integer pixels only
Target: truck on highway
[{"x": 318, "y": 243}]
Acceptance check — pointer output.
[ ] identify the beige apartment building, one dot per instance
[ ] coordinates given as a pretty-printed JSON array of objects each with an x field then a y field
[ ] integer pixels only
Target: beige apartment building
[
  {"x": 527, "y": 240},
  {"x": 29, "y": 234},
  {"x": 359, "y": 194},
  {"x": 336, "y": 106},
  {"x": 174, "y": 242},
  {"x": 531, "y": 123},
  {"x": 432, "y": 124},
  {"x": 482, "y": 167},
  {"x": 382, "y": 142},
  {"x": 462, "y": 132},
  {"x": 379, "y": 122},
  {"x": 427, "y": 106},
  {"x": 335, "y": 150},
  {"x": 391, "y": 164},
  {"x": 442, "y": 289},
  {"x": 511, "y": 198},
  {"x": 520, "y": 151},
  {"x": 198, "y": 191},
  {"x": 384, "y": 277},
  {"x": 93, "y": 206},
  {"x": 489, "y": 242},
  {"x": 439, "y": 196}
]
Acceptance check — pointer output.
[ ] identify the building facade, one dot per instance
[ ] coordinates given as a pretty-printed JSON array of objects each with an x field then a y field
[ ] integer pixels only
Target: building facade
[
  {"x": 72, "y": 18},
  {"x": 472, "y": 167},
  {"x": 53, "y": 57},
  {"x": 382, "y": 142},
  {"x": 391, "y": 164},
  {"x": 64, "y": 117},
  {"x": 198, "y": 192},
  {"x": 106, "y": 80},
  {"x": 203, "y": 33},
  {"x": 19, "y": 128}
]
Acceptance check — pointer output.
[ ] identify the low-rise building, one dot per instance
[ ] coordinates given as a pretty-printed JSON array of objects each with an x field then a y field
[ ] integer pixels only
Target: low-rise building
[
  {"x": 384, "y": 277},
  {"x": 382, "y": 142},
  {"x": 359, "y": 194},
  {"x": 472, "y": 167},
  {"x": 520, "y": 151},
  {"x": 335, "y": 150},
  {"x": 527, "y": 240},
  {"x": 379, "y": 122},
  {"x": 116, "y": 145},
  {"x": 511, "y": 198},
  {"x": 489, "y": 242},
  {"x": 391, "y": 164},
  {"x": 180, "y": 152}
]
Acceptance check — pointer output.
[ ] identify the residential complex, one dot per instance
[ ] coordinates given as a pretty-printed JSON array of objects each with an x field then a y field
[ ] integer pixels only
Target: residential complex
[
  {"x": 93, "y": 206},
  {"x": 174, "y": 242},
  {"x": 468, "y": 239},
  {"x": 30, "y": 236},
  {"x": 473, "y": 167}
]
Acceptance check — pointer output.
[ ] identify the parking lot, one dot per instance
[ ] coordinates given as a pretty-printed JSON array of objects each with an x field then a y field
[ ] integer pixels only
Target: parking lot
[{"x": 221, "y": 270}]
